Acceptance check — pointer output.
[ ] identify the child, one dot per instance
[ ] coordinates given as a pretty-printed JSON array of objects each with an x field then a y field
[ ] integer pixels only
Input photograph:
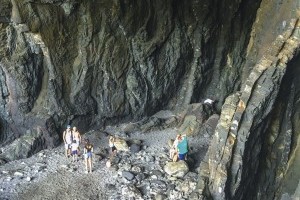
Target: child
[
  {"x": 173, "y": 149},
  {"x": 74, "y": 148},
  {"x": 88, "y": 150},
  {"x": 111, "y": 143}
]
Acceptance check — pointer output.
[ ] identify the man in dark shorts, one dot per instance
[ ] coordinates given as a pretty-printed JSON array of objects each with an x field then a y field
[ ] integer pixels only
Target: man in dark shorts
[{"x": 88, "y": 154}]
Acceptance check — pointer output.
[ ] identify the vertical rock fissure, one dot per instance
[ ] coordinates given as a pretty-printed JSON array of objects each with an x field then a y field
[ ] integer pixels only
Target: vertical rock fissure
[{"x": 244, "y": 116}]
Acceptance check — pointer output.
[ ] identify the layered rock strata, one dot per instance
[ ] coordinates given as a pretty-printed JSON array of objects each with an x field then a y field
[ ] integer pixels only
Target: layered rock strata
[{"x": 93, "y": 63}]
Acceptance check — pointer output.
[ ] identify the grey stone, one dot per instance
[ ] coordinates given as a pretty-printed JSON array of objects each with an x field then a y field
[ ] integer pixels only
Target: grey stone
[
  {"x": 149, "y": 158},
  {"x": 176, "y": 169},
  {"x": 128, "y": 62},
  {"x": 156, "y": 173},
  {"x": 111, "y": 187},
  {"x": 160, "y": 197},
  {"x": 159, "y": 183},
  {"x": 140, "y": 177},
  {"x": 135, "y": 148},
  {"x": 128, "y": 175}
]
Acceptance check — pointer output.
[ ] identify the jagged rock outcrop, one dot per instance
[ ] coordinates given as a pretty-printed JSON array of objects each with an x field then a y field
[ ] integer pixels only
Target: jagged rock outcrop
[
  {"x": 25, "y": 146},
  {"x": 92, "y": 63},
  {"x": 87, "y": 63},
  {"x": 242, "y": 133}
]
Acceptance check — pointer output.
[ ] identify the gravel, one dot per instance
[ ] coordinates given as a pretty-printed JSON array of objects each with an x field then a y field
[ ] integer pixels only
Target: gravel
[{"x": 50, "y": 175}]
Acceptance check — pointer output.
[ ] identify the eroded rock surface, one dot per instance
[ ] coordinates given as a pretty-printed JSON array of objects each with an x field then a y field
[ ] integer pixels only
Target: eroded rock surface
[
  {"x": 94, "y": 63},
  {"x": 49, "y": 175}
]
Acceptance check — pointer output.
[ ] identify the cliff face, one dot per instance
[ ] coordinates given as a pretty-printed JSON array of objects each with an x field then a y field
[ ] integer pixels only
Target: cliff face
[
  {"x": 75, "y": 60},
  {"x": 94, "y": 62}
]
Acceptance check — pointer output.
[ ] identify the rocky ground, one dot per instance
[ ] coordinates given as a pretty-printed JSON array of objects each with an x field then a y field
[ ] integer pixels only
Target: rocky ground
[{"x": 139, "y": 173}]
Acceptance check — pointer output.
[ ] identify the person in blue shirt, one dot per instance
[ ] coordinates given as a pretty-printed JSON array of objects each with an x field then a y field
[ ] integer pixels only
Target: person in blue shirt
[{"x": 182, "y": 147}]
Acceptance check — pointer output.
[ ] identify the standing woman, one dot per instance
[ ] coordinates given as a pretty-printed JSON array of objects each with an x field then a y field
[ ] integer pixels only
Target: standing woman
[{"x": 88, "y": 151}]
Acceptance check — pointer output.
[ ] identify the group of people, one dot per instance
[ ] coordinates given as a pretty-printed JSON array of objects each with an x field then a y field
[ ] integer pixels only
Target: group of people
[
  {"x": 179, "y": 148},
  {"x": 72, "y": 140}
]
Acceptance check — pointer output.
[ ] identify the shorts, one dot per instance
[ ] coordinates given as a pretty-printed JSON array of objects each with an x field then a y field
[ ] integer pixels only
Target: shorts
[
  {"x": 182, "y": 156},
  {"x": 74, "y": 152},
  {"x": 88, "y": 155},
  {"x": 67, "y": 146}
]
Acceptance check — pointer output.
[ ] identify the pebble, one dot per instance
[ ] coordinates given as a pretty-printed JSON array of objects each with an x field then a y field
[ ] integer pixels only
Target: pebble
[
  {"x": 128, "y": 175},
  {"x": 18, "y": 174},
  {"x": 64, "y": 166},
  {"x": 135, "y": 176}
]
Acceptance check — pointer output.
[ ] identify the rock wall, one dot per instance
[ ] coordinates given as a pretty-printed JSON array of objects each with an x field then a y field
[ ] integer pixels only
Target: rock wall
[
  {"x": 257, "y": 129},
  {"x": 89, "y": 63},
  {"x": 92, "y": 62}
]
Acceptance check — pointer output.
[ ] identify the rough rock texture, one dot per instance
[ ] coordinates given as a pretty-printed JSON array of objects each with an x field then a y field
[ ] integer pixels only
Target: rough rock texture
[
  {"x": 121, "y": 145},
  {"x": 50, "y": 175},
  {"x": 92, "y": 63},
  {"x": 244, "y": 136},
  {"x": 25, "y": 146},
  {"x": 176, "y": 169}
]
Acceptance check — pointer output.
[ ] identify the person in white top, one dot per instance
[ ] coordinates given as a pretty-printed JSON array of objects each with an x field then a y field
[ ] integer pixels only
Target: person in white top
[
  {"x": 68, "y": 139},
  {"x": 74, "y": 148},
  {"x": 209, "y": 101},
  {"x": 173, "y": 150}
]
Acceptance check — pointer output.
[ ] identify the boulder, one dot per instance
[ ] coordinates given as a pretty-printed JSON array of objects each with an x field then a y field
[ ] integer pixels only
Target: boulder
[
  {"x": 164, "y": 114},
  {"x": 134, "y": 148},
  {"x": 210, "y": 125},
  {"x": 121, "y": 145},
  {"x": 176, "y": 169},
  {"x": 189, "y": 125},
  {"x": 23, "y": 147}
]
